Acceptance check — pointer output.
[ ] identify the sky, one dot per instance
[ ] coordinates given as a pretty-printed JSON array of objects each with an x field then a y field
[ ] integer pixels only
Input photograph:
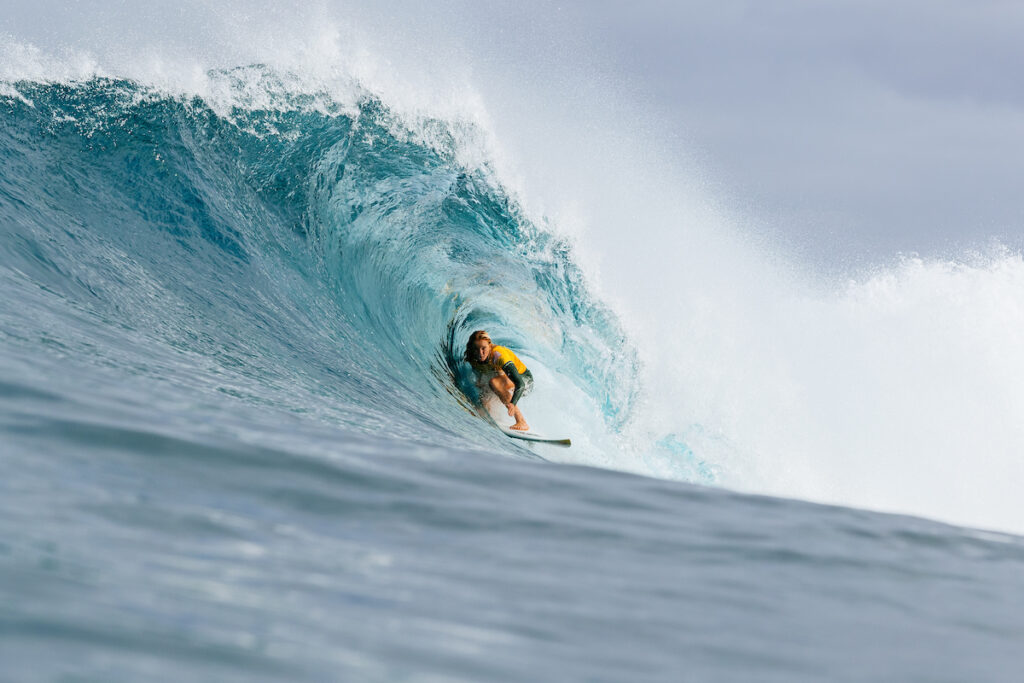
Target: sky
[
  {"x": 844, "y": 130},
  {"x": 871, "y": 126}
]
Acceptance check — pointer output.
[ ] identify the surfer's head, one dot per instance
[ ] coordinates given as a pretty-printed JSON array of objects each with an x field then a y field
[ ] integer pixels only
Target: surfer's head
[{"x": 478, "y": 348}]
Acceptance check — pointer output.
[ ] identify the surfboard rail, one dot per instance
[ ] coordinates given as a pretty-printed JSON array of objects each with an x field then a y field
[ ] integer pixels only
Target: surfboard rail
[
  {"x": 485, "y": 413},
  {"x": 538, "y": 438}
]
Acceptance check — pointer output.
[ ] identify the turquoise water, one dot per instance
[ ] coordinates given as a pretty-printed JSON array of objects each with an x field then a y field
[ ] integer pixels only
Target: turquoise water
[{"x": 238, "y": 443}]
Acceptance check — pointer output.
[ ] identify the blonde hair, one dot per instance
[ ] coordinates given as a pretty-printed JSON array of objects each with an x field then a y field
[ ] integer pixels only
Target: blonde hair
[{"x": 473, "y": 339}]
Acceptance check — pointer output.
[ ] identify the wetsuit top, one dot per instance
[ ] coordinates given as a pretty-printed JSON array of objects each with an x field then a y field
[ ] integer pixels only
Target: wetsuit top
[{"x": 502, "y": 356}]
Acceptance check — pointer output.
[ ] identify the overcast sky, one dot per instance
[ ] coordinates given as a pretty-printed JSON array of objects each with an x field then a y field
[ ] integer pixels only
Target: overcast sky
[
  {"x": 868, "y": 125},
  {"x": 853, "y": 126}
]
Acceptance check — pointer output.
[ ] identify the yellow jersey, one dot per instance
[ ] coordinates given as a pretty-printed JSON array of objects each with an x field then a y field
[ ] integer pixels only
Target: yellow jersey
[{"x": 501, "y": 355}]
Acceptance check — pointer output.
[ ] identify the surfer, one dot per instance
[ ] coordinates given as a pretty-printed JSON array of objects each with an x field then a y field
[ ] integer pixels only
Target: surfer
[{"x": 509, "y": 378}]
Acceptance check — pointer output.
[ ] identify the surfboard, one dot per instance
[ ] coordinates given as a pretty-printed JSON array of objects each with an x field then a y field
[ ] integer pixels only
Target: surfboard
[
  {"x": 491, "y": 411},
  {"x": 531, "y": 436}
]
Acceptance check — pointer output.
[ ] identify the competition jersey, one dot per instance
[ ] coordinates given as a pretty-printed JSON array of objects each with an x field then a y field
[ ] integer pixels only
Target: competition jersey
[{"x": 501, "y": 355}]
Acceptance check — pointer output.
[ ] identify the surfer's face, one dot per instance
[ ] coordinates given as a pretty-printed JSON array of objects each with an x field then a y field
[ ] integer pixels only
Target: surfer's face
[{"x": 483, "y": 350}]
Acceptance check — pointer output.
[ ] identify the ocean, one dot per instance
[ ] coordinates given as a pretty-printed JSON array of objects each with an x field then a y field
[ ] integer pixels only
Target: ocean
[{"x": 238, "y": 441}]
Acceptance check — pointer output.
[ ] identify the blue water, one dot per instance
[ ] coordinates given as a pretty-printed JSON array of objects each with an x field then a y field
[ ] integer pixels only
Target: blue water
[{"x": 238, "y": 443}]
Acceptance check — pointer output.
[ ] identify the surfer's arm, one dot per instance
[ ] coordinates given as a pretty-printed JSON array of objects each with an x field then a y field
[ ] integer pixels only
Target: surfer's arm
[{"x": 517, "y": 379}]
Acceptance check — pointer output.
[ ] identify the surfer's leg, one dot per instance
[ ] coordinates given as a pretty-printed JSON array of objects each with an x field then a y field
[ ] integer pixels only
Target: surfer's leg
[
  {"x": 502, "y": 388},
  {"x": 520, "y": 424}
]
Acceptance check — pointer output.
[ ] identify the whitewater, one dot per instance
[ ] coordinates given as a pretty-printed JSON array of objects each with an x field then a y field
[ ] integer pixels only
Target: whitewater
[{"x": 239, "y": 442}]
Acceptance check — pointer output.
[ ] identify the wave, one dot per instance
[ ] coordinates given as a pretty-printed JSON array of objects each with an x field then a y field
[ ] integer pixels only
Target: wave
[
  {"x": 291, "y": 250},
  {"x": 324, "y": 252}
]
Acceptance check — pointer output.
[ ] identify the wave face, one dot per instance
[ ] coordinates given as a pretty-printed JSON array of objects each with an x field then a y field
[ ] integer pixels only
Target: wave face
[{"x": 310, "y": 256}]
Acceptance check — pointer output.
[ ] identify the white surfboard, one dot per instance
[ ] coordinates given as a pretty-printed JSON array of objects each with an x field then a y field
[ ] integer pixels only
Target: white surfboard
[
  {"x": 493, "y": 412},
  {"x": 532, "y": 436}
]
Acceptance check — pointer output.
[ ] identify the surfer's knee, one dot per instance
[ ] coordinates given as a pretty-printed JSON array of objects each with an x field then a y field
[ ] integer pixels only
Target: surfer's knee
[{"x": 501, "y": 385}]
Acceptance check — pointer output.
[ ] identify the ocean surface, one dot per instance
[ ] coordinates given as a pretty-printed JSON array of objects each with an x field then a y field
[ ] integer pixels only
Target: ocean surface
[{"x": 238, "y": 443}]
